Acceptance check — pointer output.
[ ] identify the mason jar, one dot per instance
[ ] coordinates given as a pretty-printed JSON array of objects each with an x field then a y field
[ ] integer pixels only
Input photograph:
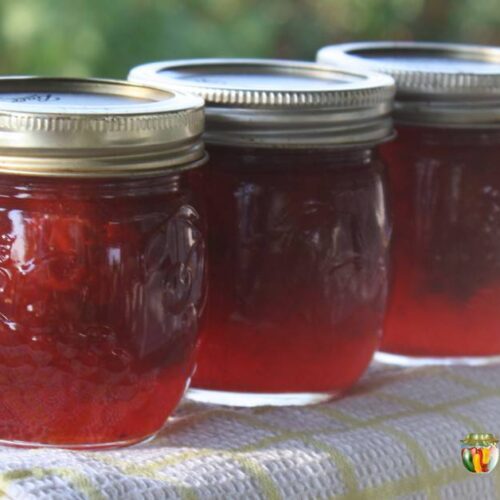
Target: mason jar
[
  {"x": 299, "y": 229},
  {"x": 102, "y": 259},
  {"x": 444, "y": 173}
]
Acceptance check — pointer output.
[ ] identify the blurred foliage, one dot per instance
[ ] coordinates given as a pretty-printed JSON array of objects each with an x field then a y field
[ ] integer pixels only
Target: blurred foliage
[{"x": 106, "y": 38}]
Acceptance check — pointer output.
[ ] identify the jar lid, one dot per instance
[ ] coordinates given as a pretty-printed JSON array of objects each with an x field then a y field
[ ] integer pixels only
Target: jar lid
[
  {"x": 437, "y": 83},
  {"x": 96, "y": 128},
  {"x": 479, "y": 439},
  {"x": 259, "y": 102}
]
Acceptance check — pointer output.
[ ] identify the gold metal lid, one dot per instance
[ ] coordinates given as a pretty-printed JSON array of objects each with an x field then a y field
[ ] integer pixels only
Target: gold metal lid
[
  {"x": 480, "y": 439},
  {"x": 96, "y": 128},
  {"x": 265, "y": 102},
  {"x": 437, "y": 83}
]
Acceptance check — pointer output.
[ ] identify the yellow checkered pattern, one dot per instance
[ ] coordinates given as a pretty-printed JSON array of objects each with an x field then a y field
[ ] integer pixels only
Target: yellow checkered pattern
[{"x": 397, "y": 435}]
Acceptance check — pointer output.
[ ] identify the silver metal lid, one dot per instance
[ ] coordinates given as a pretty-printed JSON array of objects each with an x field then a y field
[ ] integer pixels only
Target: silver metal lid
[
  {"x": 96, "y": 128},
  {"x": 437, "y": 83},
  {"x": 259, "y": 102}
]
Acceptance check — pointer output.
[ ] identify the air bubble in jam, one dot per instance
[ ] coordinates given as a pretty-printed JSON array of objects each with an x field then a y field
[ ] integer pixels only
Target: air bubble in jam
[
  {"x": 298, "y": 269},
  {"x": 445, "y": 187},
  {"x": 92, "y": 350}
]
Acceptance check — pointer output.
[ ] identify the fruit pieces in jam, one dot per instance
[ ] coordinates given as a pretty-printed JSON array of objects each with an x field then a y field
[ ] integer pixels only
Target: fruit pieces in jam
[{"x": 101, "y": 289}]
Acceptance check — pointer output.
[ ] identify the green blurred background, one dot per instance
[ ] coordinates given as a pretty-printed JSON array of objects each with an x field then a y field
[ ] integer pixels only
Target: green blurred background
[{"x": 107, "y": 37}]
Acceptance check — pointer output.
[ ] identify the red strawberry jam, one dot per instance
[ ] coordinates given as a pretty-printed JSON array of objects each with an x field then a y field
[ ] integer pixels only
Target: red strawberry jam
[
  {"x": 444, "y": 172},
  {"x": 297, "y": 247},
  {"x": 299, "y": 230},
  {"x": 102, "y": 259},
  {"x": 101, "y": 289},
  {"x": 446, "y": 251}
]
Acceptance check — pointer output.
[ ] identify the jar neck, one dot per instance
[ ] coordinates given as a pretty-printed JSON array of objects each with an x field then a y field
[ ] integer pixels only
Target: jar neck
[
  {"x": 289, "y": 157},
  {"x": 48, "y": 187},
  {"x": 456, "y": 137}
]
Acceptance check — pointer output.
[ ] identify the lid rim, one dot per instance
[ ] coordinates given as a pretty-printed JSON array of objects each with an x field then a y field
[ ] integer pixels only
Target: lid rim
[
  {"x": 149, "y": 74},
  {"x": 62, "y": 118},
  {"x": 430, "y": 95},
  {"x": 133, "y": 165},
  {"x": 258, "y": 113},
  {"x": 416, "y": 79}
]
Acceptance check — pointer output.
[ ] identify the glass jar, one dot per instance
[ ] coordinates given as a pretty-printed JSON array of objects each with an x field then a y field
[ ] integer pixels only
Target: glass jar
[
  {"x": 444, "y": 173},
  {"x": 299, "y": 232},
  {"x": 480, "y": 453},
  {"x": 102, "y": 260}
]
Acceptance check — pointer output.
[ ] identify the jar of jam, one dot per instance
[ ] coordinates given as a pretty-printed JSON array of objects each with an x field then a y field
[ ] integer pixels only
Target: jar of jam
[
  {"x": 298, "y": 226},
  {"x": 102, "y": 259},
  {"x": 444, "y": 173}
]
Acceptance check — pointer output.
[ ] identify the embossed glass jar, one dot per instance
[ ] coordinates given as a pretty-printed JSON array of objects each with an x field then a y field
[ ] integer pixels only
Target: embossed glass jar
[
  {"x": 444, "y": 173},
  {"x": 102, "y": 259},
  {"x": 298, "y": 226}
]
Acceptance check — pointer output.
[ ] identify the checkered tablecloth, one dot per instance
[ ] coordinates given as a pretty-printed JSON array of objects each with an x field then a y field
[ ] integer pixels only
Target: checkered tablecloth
[{"x": 397, "y": 435}]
